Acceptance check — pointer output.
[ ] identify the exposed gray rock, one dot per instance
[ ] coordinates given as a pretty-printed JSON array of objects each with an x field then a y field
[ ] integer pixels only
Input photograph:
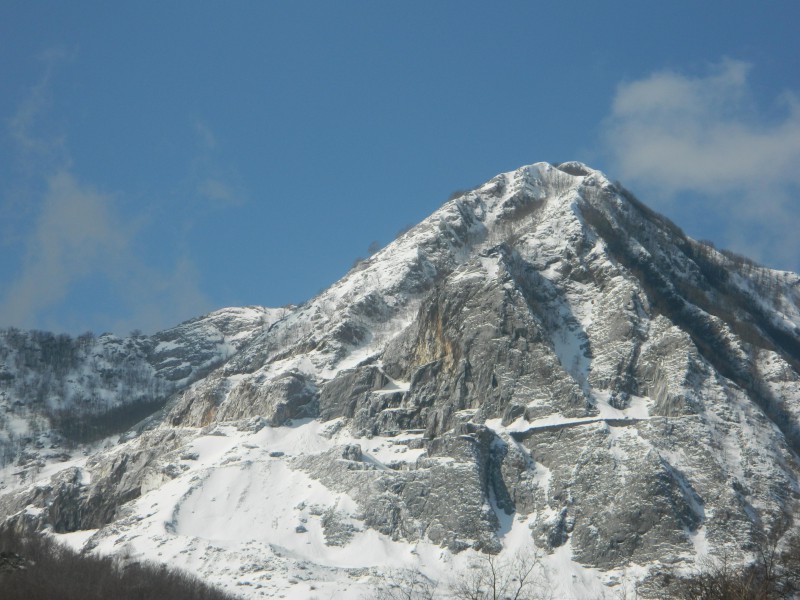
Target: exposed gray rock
[
  {"x": 444, "y": 499},
  {"x": 289, "y": 396},
  {"x": 337, "y": 531},
  {"x": 74, "y": 500},
  {"x": 352, "y": 452},
  {"x": 349, "y": 391}
]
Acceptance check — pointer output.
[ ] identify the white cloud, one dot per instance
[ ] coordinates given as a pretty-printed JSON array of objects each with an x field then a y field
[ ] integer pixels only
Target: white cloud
[
  {"x": 207, "y": 139},
  {"x": 672, "y": 134},
  {"x": 220, "y": 191},
  {"x": 217, "y": 183},
  {"x": 36, "y": 148},
  {"x": 76, "y": 233},
  {"x": 73, "y": 232}
]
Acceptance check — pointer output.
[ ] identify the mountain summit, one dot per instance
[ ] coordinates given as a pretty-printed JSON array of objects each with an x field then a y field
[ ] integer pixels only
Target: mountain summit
[{"x": 542, "y": 365}]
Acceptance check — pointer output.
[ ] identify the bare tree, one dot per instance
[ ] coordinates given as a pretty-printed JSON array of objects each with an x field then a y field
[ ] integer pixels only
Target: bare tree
[
  {"x": 773, "y": 575},
  {"x": 406, "y": 585},
  {"x": 521, "y": 577}
]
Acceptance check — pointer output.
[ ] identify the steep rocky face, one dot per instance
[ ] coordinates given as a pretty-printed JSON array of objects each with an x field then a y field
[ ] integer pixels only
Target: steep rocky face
[{"x": 543, "y": 354}]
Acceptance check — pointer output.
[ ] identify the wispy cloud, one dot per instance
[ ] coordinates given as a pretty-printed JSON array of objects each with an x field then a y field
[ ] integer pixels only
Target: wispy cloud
[
  {"x": 205, "y": 136},
  {"x": 78, "y": 235},
  {"x": 78, "y": 232},
  {"x": 706, "y": 137},
  {"x": 218, "y": 190},
  {"x": 36, "y": 148},
  {"x": 220, "y": 184}
]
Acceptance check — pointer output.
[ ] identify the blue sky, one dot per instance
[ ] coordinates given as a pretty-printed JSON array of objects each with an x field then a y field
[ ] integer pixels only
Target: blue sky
[{"x": 162, "y": 159}]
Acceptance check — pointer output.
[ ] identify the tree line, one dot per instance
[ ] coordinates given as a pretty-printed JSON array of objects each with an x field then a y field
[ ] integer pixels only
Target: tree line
[{"x": 34, "y": 567}]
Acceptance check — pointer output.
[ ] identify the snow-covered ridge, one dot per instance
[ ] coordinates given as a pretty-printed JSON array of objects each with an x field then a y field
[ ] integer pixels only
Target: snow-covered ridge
[{"x": 56, "y": 391}]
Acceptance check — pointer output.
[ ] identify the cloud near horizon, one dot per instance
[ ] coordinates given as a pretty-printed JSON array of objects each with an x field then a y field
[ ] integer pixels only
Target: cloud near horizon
[
  {"x": 77, "y": 235},
  {"x": 705, "y": 137},
  {"x": 77, "y": 232}
]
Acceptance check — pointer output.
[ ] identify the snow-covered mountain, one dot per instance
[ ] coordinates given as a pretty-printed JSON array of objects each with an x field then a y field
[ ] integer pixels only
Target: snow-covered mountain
[{"x": 543, "y": 364}]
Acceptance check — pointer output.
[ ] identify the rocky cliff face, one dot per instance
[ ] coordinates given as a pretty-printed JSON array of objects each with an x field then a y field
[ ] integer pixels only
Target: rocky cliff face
[{"x": 542, "y": 362}]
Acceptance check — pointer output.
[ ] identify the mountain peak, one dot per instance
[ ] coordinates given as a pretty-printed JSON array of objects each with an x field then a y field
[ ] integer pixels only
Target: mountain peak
[{"x": 578, "y": 169}]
